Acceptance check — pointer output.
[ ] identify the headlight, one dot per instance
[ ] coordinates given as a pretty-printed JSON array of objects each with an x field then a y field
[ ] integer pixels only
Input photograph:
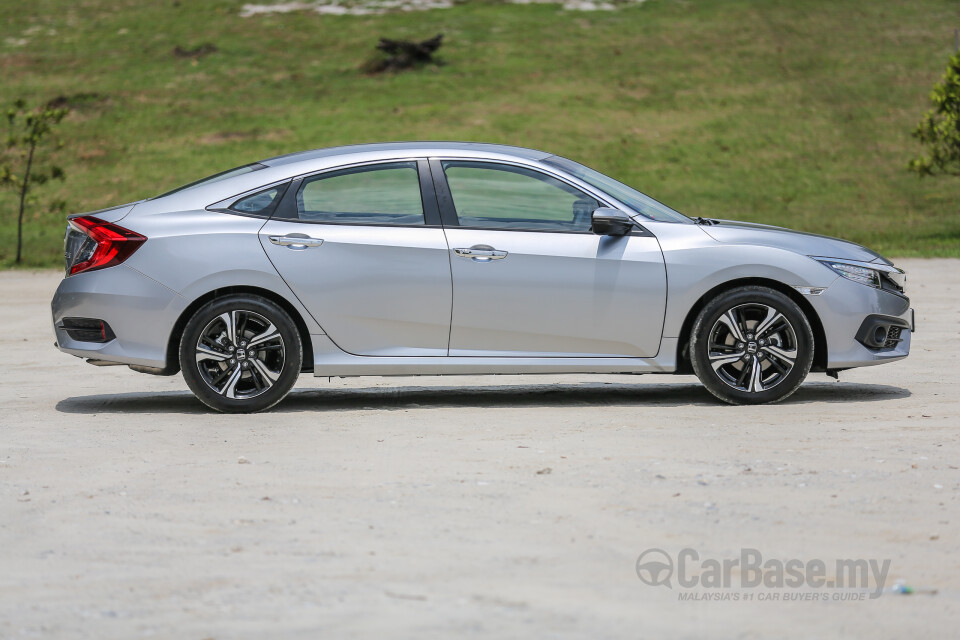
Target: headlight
[{"x": 863, "y": 275}]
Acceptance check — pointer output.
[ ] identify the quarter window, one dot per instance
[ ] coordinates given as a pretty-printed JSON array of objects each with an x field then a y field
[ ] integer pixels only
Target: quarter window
[
  {"x": 499, "y": 196},
  {"x": 386, "y": 194},
  {"x": 261, "y": 203}
]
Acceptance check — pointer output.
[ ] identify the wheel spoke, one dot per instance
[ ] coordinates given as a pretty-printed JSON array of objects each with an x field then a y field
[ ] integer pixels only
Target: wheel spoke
[
  {"x": 241, "y": 324},
  {"x": 205, "y": 353},
  {"x": 779, "y": 367},
  {"x": 718, "y": 360},
  {"x": 767, "y": 323},
  {"x": 730, "y": 320},
  {"x": 755, "y": 376},
  {"x": 269, "y": 334},
  {"x": 215, "y": 383},
  {"x": 269, "y": 377},
  {"x": 231, "y": 385},
  {"x": 745, "y": 373},
  {"x": 257, "y": 382},
  {"x": 207, "y": 341},
  {"x": 779, "y": 325},
  {"x": 228, "y": 319},
  {"x": 720, "y": 346},
  {"x": 787, "y": 357}
]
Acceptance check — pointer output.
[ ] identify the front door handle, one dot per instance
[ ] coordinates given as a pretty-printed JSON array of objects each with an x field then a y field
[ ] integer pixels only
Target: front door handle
[
  {"x": 296, "y": 241},
  {"x": 481, "y": 253}
]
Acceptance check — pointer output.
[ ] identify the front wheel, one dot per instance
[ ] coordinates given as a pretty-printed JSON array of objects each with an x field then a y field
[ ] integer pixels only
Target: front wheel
[
  {"x": 751, "y": 345},
  {"x": 240, "y": 354}
]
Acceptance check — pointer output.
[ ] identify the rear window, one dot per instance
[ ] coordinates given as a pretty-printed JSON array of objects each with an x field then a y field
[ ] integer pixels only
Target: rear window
[
  {"x": 383, "y": 194},
  {"x": 223, "y": 175}
]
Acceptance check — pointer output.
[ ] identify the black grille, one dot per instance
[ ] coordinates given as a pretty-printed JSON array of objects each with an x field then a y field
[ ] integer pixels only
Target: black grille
[
  {"x": 87, "y": 329},
  {"x": 893, "y": 337}
]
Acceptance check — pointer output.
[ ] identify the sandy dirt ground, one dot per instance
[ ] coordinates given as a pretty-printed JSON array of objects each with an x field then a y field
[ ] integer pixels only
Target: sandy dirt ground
[{"x": 468, "y": 507}]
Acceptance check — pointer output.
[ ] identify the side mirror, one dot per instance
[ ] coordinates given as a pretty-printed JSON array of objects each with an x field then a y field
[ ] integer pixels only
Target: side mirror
[{"x": 611, "y": 222}]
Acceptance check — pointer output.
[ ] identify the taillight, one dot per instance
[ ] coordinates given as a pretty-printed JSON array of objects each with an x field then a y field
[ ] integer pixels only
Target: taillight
[{"x": 94, "y": 244}]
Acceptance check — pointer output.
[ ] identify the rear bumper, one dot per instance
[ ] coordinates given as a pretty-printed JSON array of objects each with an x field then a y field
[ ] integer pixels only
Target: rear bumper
[
  {"x": 140, "y": 311},
  {"x": 845, "y": 308}
]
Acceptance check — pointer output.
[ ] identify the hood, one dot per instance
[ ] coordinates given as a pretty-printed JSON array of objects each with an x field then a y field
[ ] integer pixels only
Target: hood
[{"x": 809, "y": 244}]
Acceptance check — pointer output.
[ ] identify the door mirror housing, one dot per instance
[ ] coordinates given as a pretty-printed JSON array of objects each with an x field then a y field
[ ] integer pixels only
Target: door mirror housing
[{"x": 611, "y": 222}]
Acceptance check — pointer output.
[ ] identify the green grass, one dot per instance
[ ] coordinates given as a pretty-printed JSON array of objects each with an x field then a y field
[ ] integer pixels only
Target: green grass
[{"x": 780, "y": 111}]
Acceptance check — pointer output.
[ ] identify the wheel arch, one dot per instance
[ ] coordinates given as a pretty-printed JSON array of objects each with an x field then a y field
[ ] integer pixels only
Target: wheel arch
[
  {"x": 173, "y": 343},
  {"x": 819, "y": 336}
]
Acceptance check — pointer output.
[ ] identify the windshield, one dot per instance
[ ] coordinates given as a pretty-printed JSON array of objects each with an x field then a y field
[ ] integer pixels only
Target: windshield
[
  {"x": 223, "y": 175},
  {"x": 644, "y": 205}
]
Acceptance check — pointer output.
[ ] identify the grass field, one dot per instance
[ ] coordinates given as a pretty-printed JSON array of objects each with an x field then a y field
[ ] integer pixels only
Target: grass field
[{"x": 796, "y": 113}]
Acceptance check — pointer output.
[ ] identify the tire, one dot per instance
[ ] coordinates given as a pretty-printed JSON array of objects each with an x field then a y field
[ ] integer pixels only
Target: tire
[
  {"x": 240, "y": 354},
  {"x": 751, "y": 367}
]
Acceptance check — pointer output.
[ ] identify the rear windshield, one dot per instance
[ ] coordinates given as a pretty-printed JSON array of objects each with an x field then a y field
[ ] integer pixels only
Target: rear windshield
[{"x": 223, "y": 175}]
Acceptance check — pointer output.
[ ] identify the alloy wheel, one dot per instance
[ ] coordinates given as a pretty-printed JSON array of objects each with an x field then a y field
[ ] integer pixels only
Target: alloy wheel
[
  {"x": 752, "y": 347},
  {"x": 240, "y": 354}
]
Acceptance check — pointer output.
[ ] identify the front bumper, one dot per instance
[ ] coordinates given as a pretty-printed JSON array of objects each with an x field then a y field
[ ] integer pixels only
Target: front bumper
[
  {"x": 140, "y": 311},
  {"x": 845, "y": 307}
]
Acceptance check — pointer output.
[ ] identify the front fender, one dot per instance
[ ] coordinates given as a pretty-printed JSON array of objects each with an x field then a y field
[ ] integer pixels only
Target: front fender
[{"x": 696, "y": 264}]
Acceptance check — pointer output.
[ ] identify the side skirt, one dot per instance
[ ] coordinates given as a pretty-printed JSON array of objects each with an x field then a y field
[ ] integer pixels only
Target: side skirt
[{"x": 330, "y": 361}]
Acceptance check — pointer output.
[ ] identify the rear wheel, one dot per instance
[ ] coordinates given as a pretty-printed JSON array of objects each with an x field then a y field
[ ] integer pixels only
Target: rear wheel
[
  {"x": 240, "y": 354},
  {"x": 751, "y": 345}
]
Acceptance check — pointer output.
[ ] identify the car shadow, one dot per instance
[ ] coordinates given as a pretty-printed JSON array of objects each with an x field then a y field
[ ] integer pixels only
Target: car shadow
[{"x": 494, "y": 396}]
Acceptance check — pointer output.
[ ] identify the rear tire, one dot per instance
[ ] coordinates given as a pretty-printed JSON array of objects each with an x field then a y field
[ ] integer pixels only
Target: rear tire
[
  {"x": 240, "y": 354},
  {"x": 751, "y": 345}
]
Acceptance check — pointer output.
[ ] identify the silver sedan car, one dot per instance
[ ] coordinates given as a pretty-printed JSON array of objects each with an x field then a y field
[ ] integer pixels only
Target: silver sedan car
[{"x": 459, "y": 258}]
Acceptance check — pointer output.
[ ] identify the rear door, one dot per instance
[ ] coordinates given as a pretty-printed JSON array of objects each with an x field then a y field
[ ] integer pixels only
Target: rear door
[
  {"x": 363, "y": 249},
  {"x": 531, "y": 279}
]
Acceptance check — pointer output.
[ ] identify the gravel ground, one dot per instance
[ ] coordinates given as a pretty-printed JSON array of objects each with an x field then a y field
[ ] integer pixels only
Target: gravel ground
[{"x": 468, "y": 507}]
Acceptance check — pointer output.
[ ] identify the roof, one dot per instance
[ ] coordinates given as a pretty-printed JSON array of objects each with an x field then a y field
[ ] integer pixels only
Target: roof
[{"x": 417, "y": 148}]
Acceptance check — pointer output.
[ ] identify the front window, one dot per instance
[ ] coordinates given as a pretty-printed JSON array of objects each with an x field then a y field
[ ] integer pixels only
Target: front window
[
  {"x": 500, "y": 196},
  {"x": 642, "y": 204}
]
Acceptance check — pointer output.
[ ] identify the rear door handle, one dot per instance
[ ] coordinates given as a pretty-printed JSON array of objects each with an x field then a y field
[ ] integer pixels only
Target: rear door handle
[
  {"x": 481, "y": 253},
  {"x": 296, "y": 241}
]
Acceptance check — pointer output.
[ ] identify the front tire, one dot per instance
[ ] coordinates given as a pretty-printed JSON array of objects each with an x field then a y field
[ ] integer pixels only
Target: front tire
[
  {"x": 240, "y": 354},
  {"x": 751, "y": 345}
]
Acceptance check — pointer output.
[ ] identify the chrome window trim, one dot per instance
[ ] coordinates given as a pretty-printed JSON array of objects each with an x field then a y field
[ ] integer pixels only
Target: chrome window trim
[
  {"x": 226, "y": 202},
  {"x": 352, "y": 165},
  {"x": 602, "y": 197}
]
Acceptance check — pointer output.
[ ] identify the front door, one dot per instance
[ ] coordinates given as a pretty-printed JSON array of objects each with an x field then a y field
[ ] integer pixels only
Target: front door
[
  {"x": 363, "y": 250},
  {"x": 531, "y": 279}
]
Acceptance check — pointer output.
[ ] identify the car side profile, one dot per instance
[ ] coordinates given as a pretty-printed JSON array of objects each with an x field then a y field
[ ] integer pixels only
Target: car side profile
[{"x": 431, "y": 258}]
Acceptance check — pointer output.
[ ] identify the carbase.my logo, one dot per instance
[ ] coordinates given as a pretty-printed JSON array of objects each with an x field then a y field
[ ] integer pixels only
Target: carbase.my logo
[{"x": 655, "y": 567}]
